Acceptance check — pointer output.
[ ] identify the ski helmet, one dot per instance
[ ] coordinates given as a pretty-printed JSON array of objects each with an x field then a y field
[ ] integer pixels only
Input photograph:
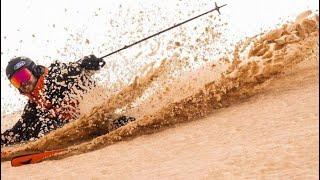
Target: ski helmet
[{"x": 21, "y": 62}]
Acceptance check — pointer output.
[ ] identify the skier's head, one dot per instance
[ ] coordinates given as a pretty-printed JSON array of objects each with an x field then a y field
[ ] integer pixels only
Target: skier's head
[{"x": 23, "y": 73}]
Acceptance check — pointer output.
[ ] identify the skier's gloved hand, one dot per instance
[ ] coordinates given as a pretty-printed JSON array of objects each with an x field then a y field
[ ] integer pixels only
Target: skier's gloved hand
[{"x": 91, "y": 62}]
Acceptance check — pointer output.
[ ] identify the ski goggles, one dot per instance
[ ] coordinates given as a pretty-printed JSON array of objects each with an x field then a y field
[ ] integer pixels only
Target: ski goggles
[{"x": 20, "y": 77}]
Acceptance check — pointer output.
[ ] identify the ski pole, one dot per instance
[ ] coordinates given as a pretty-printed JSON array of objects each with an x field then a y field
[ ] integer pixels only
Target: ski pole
[{"x": 217, "y": 8}]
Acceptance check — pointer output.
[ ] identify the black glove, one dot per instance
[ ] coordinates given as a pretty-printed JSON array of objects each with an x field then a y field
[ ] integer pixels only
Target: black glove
[{"x": 91, "y": 62}]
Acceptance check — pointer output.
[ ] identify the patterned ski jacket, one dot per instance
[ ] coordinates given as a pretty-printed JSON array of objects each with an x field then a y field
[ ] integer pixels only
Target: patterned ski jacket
[{"x": 54, "y": 100}]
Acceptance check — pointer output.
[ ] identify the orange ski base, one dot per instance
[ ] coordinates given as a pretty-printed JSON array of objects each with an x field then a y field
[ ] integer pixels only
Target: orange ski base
[{"x": 33, "y": 158}]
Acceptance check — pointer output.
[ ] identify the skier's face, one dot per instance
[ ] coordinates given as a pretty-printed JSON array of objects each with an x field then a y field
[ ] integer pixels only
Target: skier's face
[
  {"x": 24, "y": 80},
  {"x": 27, "y": 87}
]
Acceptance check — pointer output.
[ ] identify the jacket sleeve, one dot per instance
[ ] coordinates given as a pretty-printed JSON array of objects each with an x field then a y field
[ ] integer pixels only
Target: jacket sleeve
[
  {"x": 33, "y": 124},
  {"x": 62, "y": 72}
]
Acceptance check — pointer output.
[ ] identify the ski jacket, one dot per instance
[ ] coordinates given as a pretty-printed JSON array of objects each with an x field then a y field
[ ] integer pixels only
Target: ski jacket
[{"x": 54, "y": 100}]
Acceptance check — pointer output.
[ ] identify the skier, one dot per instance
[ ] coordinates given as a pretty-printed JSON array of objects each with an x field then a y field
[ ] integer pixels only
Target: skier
[{"x": 53, "y": 95}]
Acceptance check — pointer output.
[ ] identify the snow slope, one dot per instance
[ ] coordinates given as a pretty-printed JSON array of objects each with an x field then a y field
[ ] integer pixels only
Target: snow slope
[
  {"x": 268, "y": 126},
  {"x": 273, "y": 134}
]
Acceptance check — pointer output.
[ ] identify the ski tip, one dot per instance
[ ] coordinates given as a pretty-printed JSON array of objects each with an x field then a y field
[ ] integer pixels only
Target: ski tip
[
  {"x": 15, "y": 162},
  {"x": 33, "y": 158}
]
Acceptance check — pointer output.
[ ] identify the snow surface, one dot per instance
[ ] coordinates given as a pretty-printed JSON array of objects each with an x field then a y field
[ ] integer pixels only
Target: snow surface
[{"x": 43, "y": 30}]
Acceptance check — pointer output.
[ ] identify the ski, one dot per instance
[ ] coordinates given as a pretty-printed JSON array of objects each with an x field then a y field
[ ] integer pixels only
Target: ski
[{"x": 33, "y": 158}]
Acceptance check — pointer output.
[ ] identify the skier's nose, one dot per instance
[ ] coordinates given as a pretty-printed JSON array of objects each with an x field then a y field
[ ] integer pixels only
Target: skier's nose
[
  {"x": 24, "y": 83},
  {"x": 24, "y": 86}
]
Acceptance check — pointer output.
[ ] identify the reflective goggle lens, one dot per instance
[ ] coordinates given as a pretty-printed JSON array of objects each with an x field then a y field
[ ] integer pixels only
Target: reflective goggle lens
[{"x": 20, "y": 77}]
